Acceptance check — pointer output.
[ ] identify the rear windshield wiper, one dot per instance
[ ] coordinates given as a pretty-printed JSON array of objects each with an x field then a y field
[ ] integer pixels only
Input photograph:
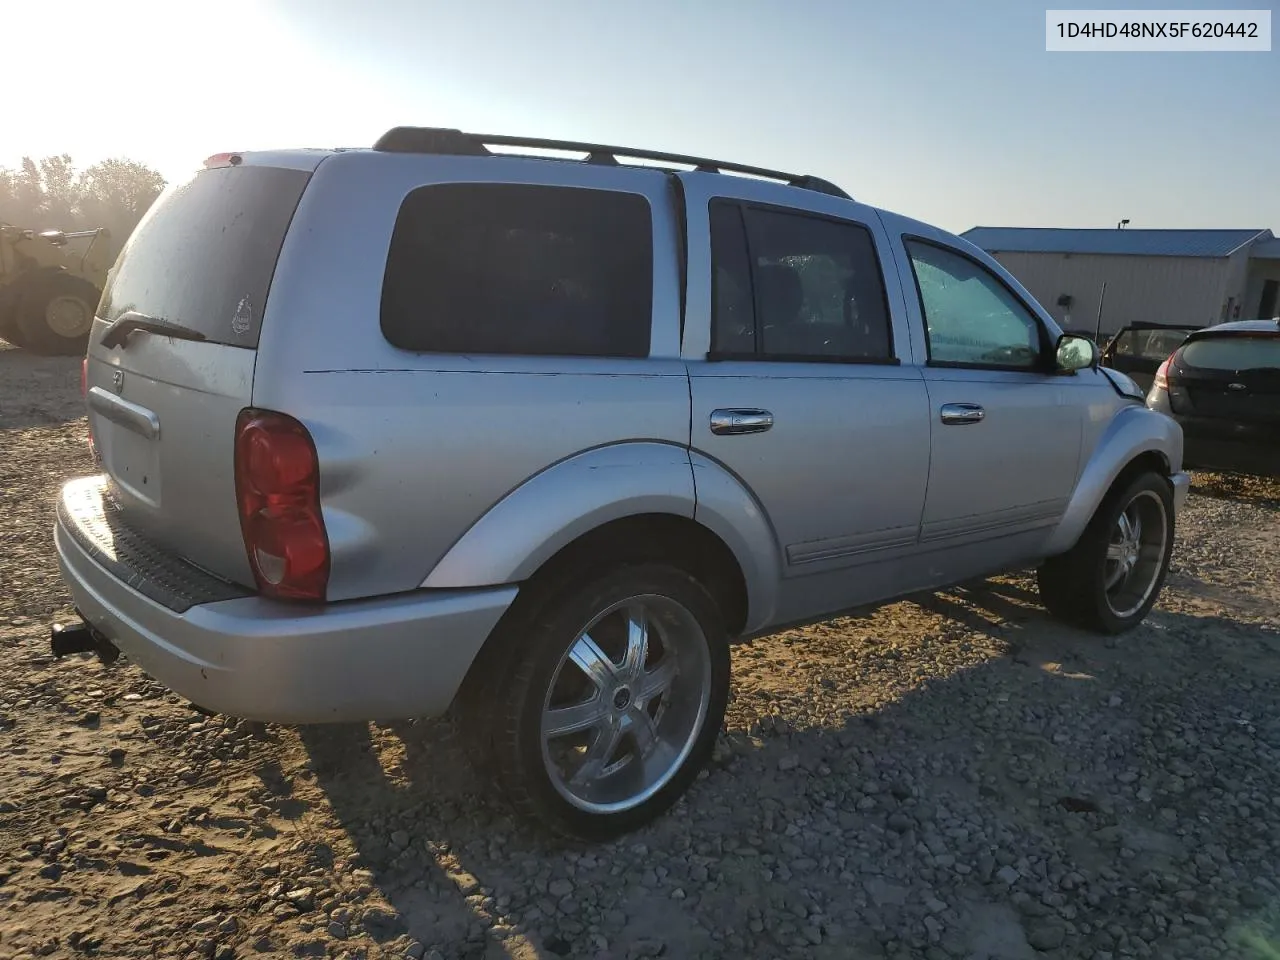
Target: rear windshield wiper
[{"x": 129, "y": 321}]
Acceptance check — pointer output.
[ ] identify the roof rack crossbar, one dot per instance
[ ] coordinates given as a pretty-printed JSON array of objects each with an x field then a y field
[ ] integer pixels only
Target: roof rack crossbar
[{"x": 434, "y": 140}]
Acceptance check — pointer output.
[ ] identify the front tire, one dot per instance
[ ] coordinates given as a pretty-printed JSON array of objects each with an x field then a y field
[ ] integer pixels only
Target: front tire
[
  {"x": 603, "y": 699},
  {"x": 1109, "y": 581}
]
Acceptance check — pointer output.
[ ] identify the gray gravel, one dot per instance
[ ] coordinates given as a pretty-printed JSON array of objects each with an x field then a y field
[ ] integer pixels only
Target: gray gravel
[{"x": 956, "y": 776}]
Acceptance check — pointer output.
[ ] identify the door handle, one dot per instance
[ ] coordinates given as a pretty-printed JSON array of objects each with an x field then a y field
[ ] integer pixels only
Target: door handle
[
  {"x": 744, "y": 420},
  {"x": 959, "y": 413}
]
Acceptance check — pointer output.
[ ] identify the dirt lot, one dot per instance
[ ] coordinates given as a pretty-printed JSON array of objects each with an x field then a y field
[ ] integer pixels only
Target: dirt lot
[{"x": 953, "y": 777}]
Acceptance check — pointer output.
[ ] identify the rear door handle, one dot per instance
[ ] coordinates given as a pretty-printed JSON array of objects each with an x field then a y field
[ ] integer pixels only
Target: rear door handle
[
  {"x": 959, "y": 413},
  {"x": 740, "y": 420}
]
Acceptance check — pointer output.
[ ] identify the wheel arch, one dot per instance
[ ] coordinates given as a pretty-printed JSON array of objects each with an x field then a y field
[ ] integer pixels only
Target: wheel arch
[
  {"x": 657, "y": 538},
  {"x": 1138, "y": 440},
  {"x": 624, "y": 502}
]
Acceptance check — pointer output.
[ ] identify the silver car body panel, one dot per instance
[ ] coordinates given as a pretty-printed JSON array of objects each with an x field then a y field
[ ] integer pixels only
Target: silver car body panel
[
  {"x": 1123, "y": 437},
  {"x": 383, "y": 658},
  {"x": 163, "y": 416},
  {"x": 524, "y": 530},
  {"x": 448, "y": 480},
  {"x": 404, "y": 470},
  {"x": 860, "y": 430}
]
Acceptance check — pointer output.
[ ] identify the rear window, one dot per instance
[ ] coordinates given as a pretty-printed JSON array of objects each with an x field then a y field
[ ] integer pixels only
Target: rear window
[
  {"x": 203, "y": 257},
  {"x": 515, "y": 269},
  {"x": 1233, "y": 353}
]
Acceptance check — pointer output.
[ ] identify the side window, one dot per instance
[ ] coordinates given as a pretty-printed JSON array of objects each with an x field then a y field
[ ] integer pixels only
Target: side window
[
  {"x": 733, "y": 328},
  {"x": 516, "y": 269},
  {"x": 793, "y": 286},
  {"x": 972, "y": 318},
  {"x": 1126, "y": 345}
]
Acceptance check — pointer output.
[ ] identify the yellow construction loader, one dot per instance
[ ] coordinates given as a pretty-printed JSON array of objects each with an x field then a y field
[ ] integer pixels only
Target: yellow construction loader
[{"x": 50, "y": 284}]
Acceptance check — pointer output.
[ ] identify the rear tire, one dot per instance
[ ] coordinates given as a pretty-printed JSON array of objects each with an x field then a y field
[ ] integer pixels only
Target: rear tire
[
  {"x": 55, "y": 315},
  {"x": 598, "y": 702},
  {"x": 1109, "y": 581}
]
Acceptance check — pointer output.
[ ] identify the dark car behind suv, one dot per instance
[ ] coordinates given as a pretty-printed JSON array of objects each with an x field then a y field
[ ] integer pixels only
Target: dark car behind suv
[{"x": 1223, "y": 386}]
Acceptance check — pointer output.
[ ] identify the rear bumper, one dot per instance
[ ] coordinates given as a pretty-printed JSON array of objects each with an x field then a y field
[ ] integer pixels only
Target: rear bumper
[
  {"x": 1231, "y": 448},
  {"x": 382, "y": 659}
]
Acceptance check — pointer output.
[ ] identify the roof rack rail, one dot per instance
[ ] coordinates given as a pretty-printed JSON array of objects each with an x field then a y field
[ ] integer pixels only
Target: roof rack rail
[{"x": 458, "y": 143}]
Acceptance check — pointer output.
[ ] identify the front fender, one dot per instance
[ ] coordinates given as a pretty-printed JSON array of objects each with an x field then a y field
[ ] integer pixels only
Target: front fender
[
  {"x": 1133, "y": 431},
  {"x": 553, "y": 508}
]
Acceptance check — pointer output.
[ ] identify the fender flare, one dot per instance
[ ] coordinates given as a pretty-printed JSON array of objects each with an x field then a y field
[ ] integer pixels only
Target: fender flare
[
  {"x": 729, "y": 510},
  {"x": 551, "y": 509},
  {"x": 1134, "y": 431}
]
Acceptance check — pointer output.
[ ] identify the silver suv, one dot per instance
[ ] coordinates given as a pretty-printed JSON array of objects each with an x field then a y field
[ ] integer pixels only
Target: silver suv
[{"x": 439, "y": 424}]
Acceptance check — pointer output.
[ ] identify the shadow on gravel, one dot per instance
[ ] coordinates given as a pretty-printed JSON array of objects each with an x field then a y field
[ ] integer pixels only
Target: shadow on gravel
[
  {"x": 37, "y": 391},
  {"x": 1029, "y": 797},
  {"x": 408, "y": 800}
]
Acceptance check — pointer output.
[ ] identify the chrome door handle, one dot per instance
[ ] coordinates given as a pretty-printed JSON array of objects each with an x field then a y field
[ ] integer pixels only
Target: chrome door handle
[
  {"x": 747, "y": 420},
  {"x": 957, "y": 413}
]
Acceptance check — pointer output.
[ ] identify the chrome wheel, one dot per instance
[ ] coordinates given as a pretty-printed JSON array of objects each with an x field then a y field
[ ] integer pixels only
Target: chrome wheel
[
  {"x": 626, "y": 704},
  {"x": 68, "y": 316},
  {"x": 1136, "y": 554}
]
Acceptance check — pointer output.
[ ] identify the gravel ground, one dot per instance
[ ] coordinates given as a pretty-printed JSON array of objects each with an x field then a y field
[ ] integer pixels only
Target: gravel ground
[{"x": 956, "y": 776}]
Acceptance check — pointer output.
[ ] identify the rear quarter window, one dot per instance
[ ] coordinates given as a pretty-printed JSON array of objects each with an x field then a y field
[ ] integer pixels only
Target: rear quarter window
[
  {"x": 517, "y": 269},
  {"x": 204, "y": 255}
]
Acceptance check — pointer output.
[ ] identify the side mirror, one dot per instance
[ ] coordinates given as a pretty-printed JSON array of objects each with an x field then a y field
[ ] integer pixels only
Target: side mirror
[{"x": 1075, "y": 353}]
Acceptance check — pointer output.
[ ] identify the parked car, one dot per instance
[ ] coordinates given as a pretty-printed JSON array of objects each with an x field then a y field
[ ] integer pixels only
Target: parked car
[
  {"x": 389, "y": 431},
  {"x": 1139, "y": 348},
  {"x": 1222, "y": 386}
]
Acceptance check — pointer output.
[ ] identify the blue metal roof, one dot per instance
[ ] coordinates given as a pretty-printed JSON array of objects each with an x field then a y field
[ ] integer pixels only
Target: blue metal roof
[{"x": 1147, "y": 243}]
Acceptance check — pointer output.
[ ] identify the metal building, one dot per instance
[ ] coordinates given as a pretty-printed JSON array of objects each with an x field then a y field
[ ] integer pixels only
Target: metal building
[{"x": 1195, "y": 277}]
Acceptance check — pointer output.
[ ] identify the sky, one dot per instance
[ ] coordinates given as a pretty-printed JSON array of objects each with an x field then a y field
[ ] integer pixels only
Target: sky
[{"x": 945, "y": 111}]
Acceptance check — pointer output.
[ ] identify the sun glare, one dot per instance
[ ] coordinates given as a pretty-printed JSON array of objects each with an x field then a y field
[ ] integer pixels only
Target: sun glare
[{"x": 138, "y": 79}]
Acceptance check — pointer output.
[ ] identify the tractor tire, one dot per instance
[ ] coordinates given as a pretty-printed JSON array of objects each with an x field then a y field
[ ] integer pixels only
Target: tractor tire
[
  {"x": 55, "y": 315},
  {"x": 9, "y": 324}
]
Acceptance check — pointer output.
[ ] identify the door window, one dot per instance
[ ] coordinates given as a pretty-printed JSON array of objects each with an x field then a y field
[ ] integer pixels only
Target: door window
[
  {"x": 971, "y": 317},
  {"x": 791, "y": 286}
]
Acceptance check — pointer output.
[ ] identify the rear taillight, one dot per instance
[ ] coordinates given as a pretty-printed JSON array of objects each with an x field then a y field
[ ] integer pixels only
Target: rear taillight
[
  {"x": 1162, "y": 375},
  {"x": 278, "y": 492}
]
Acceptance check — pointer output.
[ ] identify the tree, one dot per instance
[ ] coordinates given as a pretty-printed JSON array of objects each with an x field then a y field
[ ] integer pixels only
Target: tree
[
  {"x": 115, "y": 194},
  {"x": 51, "y": 195}
]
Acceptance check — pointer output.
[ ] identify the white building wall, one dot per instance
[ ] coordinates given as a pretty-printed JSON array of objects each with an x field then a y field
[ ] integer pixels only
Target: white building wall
[{"x": 1181, "y": 290}]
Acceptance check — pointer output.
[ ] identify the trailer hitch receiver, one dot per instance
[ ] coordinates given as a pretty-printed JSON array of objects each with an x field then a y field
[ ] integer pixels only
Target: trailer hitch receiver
[{"x": 68, "y": 638}]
